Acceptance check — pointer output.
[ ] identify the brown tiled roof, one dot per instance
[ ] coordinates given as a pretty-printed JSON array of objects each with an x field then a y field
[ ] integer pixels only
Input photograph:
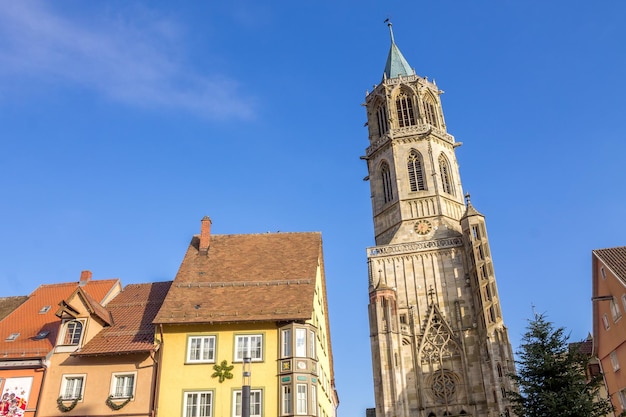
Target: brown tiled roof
[
  {"x": 615, "y": 259},
  {"x": 8, "y": 304},
  {"x": 28, "y": 321},
  {"x": 255, "y": 277},
  {"x": 132, "y": 331}
]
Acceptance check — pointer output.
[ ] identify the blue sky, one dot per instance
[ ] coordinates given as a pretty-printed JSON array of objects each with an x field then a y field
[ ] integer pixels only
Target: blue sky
[{"x": 123, "y": 123}]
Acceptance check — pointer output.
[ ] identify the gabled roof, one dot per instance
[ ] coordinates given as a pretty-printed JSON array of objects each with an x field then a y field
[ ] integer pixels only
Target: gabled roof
[
  {"x": 8, "y": 304},
  {"x": 37, "y": 315},
  {"x": 396, "y": 64},
  {"x": 254, "y": 277},
  {"x": 132, "y": 330},
  {"x": 94, "y": 308},
  {"x": 615, "y": 259}
]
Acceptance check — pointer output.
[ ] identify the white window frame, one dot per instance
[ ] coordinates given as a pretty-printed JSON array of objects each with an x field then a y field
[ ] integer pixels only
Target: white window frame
[
  {"x": 605, "y": 320},
  {"x": 115, "y": 377},
  {"x": 196, "y": 411},
  {"x": 301, "y": 399},
  {"x": 243, "y": 347},
  {"x": 287, "y": 402},
  {"x": 616, "y": 313},
  {"x": 622, "y": 398},
  {"x": 202, "y": 350},
  {"x": 614, "y": 361},
  {"x": 64, "y": 336},
  {"x": 64, "y": 387},
  {"x": 312, "y": 352},
  {"x": 301, "y": 344},
  {"x": 256, "y": 403},
  {"x": 286, "y": 343},
  {"x": 314, "y": 399}
]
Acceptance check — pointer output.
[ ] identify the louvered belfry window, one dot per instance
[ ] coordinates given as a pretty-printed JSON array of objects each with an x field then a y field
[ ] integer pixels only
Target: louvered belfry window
[
  {"x": 406, "y": 115},
  {"x": 416, "y": 174},
  {"x": 446, "y": 178},
  {"x": 431, "y": 115},
  {"x": 381, "y": 117},
  {"x": 386, "y": 177}
]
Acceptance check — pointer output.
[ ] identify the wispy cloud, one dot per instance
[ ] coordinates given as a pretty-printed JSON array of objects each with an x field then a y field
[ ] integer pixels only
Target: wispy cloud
[{"x": 138, "y": 63}]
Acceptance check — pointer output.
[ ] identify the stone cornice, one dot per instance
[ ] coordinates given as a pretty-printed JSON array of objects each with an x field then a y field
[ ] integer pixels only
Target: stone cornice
[
  {"x": 406, "y": 133},
  {"x": 411, "y": 247}
]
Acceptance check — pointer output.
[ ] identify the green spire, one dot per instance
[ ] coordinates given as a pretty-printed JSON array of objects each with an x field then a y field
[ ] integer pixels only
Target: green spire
[{"x": 396, "y": 64}]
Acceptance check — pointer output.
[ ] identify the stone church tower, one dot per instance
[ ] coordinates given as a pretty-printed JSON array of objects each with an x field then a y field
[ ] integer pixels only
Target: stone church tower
[{"x": 439, "y": 344}]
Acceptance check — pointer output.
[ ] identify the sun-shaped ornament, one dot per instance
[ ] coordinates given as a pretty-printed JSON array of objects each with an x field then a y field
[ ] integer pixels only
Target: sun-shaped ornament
[{"x": 222, "y": 371}]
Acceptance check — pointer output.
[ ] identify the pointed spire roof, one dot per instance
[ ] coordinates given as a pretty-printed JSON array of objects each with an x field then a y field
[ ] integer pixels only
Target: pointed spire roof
[
  {"x": 396, "y": 63},
  {"x": 470, "y": 210}
]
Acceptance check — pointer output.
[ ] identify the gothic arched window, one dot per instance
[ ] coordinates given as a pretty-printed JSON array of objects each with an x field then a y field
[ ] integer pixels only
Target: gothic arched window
[
  {"x": 381, "y": 118},
  {"x": 416, "y": 173},
  {"x": 385, "y": 173},
  {"x": 73, "y": 332},
  {"x": 446, "y": 175},
  {"x": 430, "y": 111},
  {"x": 404, "y": 107}
]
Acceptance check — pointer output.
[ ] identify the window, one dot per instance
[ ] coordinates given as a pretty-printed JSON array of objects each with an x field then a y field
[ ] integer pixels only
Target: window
[
  {"x": 431, "y": 115},
  {"x": 616, "y": 313},
  {"x": 286, "y": 394},
  {"x": 603, "y": 273},
  {"x": 73, "y": 332},
  {"x": 201, "y": 349},
  {"x": 614, "y": 361},
  {"x": 198, "y": 404},
  {"x": 624, "y": 301},
  {"x": 314, "y": 399},
  {"x": 381, "y": 117},
  {"x": 12, "y": 337},
  {"x": 404, "y": 107},
  {"x": 605, "y": 320},
  {"x": 312, "y": 344},
  {"x": 286, "y": 343},
  {"x": 42, "y": 335},
  {"x": 416, "y": 174},
  {"x": 72, "y": 387},
  {"x": 476, "y": 232},
  {"x": 123, "y": 385},
  {"x": 255, "y": 403},
  {"x": 301, "y": 399},
  {"x": 386, "y": 177},
  {"x": 622, "y": 398},
  {"x": 249, "y": 346},
  {"x": 446, "y": 177},
  {"x": 301, "y": 343},
  {"x": 44, "y": 309}
]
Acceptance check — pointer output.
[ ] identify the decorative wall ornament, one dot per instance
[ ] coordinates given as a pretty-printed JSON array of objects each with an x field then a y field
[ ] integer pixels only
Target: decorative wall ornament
[
  {"x": 114, "y": 406},
  {"x": 222, "y": 371},
  {"x": 65, "y": 408}
]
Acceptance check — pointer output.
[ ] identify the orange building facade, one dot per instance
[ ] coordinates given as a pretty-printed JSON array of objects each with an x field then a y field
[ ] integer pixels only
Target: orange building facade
[{"x": 609, "y": 325}]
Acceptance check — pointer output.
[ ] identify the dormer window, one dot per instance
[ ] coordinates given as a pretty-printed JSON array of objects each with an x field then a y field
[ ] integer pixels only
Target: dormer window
[
  {"x": 73, "y": 332},
  {"x": 42, "y": 335}
]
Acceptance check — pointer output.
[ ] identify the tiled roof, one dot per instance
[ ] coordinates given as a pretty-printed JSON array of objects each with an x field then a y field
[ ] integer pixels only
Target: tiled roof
[
  {"x": 29, "y": 319},
  {"x": 8, "y": 304},
  {"x": 132, "y": 331},
  {"x": 615, "y": 259},
  {"x": 254, "y": 277}
]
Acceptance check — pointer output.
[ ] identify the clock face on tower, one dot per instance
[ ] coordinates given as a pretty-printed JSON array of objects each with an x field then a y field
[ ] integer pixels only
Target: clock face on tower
[{"x": 423, "y": 227}]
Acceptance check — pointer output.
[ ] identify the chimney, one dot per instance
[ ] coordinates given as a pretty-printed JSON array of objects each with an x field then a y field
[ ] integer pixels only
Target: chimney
[
  {"x": 85, "y": 277},
  {"x": 205, "y": 235}
]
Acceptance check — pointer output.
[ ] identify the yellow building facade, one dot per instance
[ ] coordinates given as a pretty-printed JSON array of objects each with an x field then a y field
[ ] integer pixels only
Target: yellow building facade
[{"x": 261, "y": 298}]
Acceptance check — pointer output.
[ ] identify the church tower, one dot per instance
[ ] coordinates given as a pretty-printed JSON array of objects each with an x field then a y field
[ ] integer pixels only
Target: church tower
[{"x": 439, "y": 344}]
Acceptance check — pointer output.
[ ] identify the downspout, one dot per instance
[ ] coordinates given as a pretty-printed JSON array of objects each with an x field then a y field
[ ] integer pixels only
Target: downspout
[
  {"x": 43, "y": 380},
  {"x": 157, "y": 381}
]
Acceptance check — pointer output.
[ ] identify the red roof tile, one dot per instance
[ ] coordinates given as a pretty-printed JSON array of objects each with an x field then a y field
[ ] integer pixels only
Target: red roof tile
[
  {"x": 255, "y": 277},
  {"x": 132, "y": 331},
  {"x": 29, "y": 319},
  {"x": 615, "y": 259}
]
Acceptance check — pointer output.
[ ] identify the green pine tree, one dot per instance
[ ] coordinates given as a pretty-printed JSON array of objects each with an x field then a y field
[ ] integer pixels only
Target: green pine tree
[{"x": 551, "y": 377}]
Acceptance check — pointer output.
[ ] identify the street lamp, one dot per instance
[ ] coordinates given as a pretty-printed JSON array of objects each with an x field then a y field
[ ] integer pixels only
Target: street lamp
[{"x": 245, "y": 388}]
